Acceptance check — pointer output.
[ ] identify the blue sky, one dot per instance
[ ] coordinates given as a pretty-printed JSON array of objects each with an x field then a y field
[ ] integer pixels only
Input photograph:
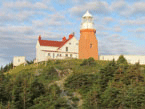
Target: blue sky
[{"x": 119, "y": 24}]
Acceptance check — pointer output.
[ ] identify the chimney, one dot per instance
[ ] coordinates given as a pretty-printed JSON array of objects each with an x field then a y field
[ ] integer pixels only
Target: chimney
[
  {"x": 70, "y": 36},
  {"x": 39, "y": 38},
  {"x": 64, "y": 38}
]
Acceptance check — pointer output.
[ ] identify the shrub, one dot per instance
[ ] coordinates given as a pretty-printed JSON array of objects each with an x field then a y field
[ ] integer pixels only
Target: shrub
[
  {"x": 121, "y": 60},
  {"x": 90, "y": 61},
  {"x": 81, "y": 81}
]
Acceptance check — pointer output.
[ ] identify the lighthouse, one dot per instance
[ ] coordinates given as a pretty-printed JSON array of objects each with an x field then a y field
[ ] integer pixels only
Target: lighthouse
[{"x": 88, "y": 44}]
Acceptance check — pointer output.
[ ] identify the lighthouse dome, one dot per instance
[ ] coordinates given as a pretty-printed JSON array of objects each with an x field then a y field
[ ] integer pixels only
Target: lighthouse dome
[{"x": 87, "y": 14}]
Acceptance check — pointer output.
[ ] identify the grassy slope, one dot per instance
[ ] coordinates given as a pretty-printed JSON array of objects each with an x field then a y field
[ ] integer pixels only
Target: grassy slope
[
  {"x": 74, "y": 64},
  {"x": 62, "y": 65}
]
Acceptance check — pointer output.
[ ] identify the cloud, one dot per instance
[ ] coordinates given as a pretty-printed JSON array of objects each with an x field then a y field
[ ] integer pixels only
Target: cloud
[
  {"x": 16, "y": 31},
  {"x": 101, "y": 34},
  {"x": 120, "y": 6},
  {"x": 129, "y": 9},
  {"x": 25, "y": 4},
  {"x": 137, "y": 30},
  {"x": 117, "y": 29},
  {"x": 138, "y": 8},
  {"x": 101, "y": 27},
  {"x": 139, "y": 21},
  {"x": 107, "y": 20},
  {"x": 55, "y": 19},
  {"x": 97, "y": 7},
  {"x": 19, "y": 16},
  {"x": 116, "y": 44},
  {"x": 23, "y": 11}
]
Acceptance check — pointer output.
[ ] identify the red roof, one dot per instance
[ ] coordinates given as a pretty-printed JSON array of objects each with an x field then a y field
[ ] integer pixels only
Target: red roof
[{"x": 54, "y": 43}]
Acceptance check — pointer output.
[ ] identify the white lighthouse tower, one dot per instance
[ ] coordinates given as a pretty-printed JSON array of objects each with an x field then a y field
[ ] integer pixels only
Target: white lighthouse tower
[{"x": 87, "y": 21}]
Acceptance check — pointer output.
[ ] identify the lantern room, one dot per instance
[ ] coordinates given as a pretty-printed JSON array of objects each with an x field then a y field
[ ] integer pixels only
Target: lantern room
[{"x": 87, "y": 21}]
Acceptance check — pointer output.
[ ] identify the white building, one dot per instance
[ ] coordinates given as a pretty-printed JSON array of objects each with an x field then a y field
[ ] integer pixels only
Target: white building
[
  {"x": 47, "y": 49},
  {"x": 132, "y": 59},
  {"x": 17, "y": 60}
]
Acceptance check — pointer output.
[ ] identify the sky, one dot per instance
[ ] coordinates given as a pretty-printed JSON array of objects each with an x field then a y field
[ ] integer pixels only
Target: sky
[{"x": 119, "y": 24}]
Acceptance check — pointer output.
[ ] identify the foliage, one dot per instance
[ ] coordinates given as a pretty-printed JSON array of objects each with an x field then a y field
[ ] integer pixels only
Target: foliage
[
  {"x": 81, "y": 81},
  {"x": 101, "y": 84},
  {"x": 121, "y": 60},
  {"x": 89, "y": 62},
  {"x": 6, "y": 68},
  {"x": 107, "y": 74},
  {"x": 51, "y": 100},
  {"x": 30, "y": 62}
]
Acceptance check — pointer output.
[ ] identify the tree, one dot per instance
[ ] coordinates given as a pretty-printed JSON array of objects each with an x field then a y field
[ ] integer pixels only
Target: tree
[
  {"x": 90, "y": 61},
  {"x": 111, "y": 98},
  {"x": 121, "y": 60},
  {"x": 107, "y": 74},
  {"x": 37, "y": 89}
]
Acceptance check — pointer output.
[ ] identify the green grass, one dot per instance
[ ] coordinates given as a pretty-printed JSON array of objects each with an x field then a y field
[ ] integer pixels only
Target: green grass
[{"x": 73, "y": 64}]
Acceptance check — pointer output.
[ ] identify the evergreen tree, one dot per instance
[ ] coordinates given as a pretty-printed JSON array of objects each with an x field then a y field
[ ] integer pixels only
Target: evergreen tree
[
  {"x": 90, "y": 61},
  {"x": 107, "y": 74},
  {"x": 121, "y": 60}
]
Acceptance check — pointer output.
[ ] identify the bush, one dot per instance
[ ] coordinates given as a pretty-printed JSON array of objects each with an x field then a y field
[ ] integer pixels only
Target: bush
[
  {"x": 30, "y": 62},
  {"x": 90, "y": 61},
  {"x": 121, "y": 60},
  {"x": 81, "y": 81}
]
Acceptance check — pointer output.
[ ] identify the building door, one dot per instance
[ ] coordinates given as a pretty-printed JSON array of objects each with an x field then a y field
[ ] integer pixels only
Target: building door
[{"x": 53, "y": 55}]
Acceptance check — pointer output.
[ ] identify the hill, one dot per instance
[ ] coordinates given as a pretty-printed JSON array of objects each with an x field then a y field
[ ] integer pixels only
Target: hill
[{"x": 72, "y": 84}]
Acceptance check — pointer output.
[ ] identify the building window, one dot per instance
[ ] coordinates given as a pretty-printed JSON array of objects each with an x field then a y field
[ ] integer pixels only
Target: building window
[
  {"x": 18, "y": 60},
  {"x": 69, "y": 43},
  {"x": 60, "y": 55},
  {"x": 90, "y": 45},
  {"x": 76, "y": 43},
  {"x": 48, "y": 54},
  {"x": 66, "y": 48},
  {"x": 70, "y": 55},
  {"x": 66, "y": 55},
  {"x": 57, "y": 54}
]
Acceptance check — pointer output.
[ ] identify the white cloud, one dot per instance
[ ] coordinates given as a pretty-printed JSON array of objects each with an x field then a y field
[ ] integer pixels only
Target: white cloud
[
  {"x": 55, "y": 19},
  {"x": 138, "y": 8},
  {"x": 101, "y": 34},
  {"x": 25, "y": 4},
  {"x": 107, "y": 20},
  {"x": 119, "y": 5},
  {"x": 137, "y": 30},
  {"x": 129, "y": 9},
  {"x": 138, "y": 21},
  {"x": 117, "y": 29},
  {"x": 99, "y": 7},
  {"x": 116, "y": 44}
]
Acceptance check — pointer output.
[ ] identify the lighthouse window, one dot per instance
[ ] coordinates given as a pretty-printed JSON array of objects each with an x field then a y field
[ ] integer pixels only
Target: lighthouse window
[
  {"x": 90, "y": 45},
  {"x": 89, "y": 20},
  {"x": 66, "y": 48}
]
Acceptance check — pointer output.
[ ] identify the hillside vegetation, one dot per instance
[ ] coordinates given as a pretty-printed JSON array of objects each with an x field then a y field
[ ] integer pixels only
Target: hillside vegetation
[{"x": 73, "y": 84}]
